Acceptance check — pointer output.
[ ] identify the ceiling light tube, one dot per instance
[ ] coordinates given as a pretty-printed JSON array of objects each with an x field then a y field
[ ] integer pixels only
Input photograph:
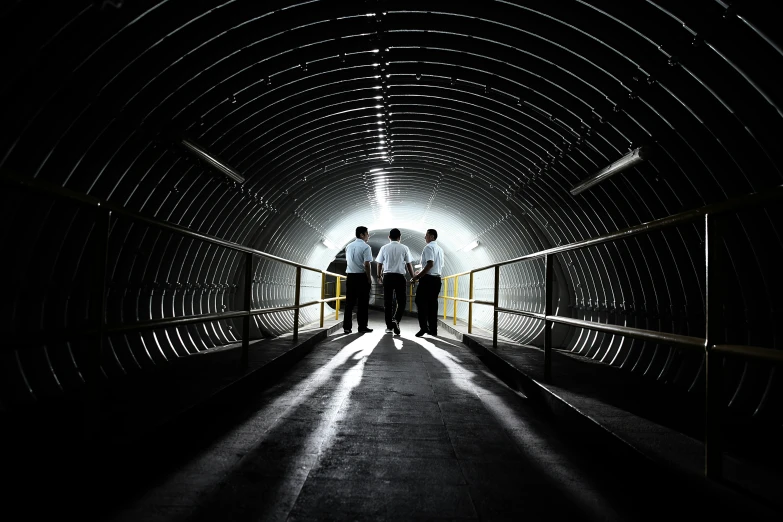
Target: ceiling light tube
[
  {"x": 470, "y": 246},
  {"x": 328, "y": 244},
  {"x": 629, "y": 160},
  {"x": 212, "y": 160}
]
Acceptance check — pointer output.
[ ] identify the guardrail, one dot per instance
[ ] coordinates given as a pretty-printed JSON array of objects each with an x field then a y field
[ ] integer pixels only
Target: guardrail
[
  {"x": 100, "y": 329},
  {"x": 714, "y": 353}
]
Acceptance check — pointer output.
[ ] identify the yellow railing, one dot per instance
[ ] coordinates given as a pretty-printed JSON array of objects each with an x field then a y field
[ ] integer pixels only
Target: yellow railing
[
  {"x": 454, "y": 299},
  {"x": 337, "y": 295},
  {"x": 410, "y": 295}
]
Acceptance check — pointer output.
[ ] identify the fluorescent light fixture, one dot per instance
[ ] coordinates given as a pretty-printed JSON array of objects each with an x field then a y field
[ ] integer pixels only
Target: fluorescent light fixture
[
  {"x": 328, "y": 244},
  {"x": 212, "y": 160},
  {"x": 470, "y": 246},
  {"x": 629, "y": 160},
  {"x": 417, "y": 266}
]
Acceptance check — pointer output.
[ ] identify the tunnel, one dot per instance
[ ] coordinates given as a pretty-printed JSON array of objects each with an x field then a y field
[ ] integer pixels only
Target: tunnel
[{"x": 168, "y": 165}]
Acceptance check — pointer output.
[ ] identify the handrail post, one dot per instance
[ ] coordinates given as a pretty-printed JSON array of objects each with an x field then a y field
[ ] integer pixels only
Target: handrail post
[
  {"x": 495, "y": 308},
  {"x": 323, "y": 296},
  {"x": 98, "y": 317},
  {"x": 337, "y": 295},
  {"x": 470, "y": 306},
  {"x": 244, "y": 356},
  {"x": 548, "y": 325},
  {"x": 445, "y": 300},
  {"x": 410, "y": 296},
  {"x": 713, "y": 361},
  {"x": 455, "y": 300},
  {"x": 297, "y": 294}
]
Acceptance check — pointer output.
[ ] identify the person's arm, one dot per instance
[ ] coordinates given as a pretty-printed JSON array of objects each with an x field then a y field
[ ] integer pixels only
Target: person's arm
[
  {"x": 409, "y": 266},
  {"x": 368, "y": 272},
  {"x": 380, "y": 260},
  {"x": 424, "y": 270},
  {"x": 367, "y": 261}
]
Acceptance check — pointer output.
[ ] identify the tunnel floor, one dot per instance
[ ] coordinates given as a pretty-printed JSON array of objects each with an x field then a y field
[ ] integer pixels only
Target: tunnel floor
[{"x": 382, "y": 427}]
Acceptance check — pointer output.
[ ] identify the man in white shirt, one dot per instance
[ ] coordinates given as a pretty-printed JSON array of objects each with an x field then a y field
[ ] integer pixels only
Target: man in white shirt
[
  {"x": 429, "y": 284},
  {"x": 394, "y": 259},
  {"x": 358, "y": 255}
]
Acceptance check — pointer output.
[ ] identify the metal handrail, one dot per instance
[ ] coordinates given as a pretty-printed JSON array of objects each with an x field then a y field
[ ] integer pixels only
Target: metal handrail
[
  {"x": 754, "y": 352},
  {"x": 93, "y": 202},
  {"x": 103, "y": 329},
  {"x": 713, "y": 353},
  {"x": 689, "y": 216}
]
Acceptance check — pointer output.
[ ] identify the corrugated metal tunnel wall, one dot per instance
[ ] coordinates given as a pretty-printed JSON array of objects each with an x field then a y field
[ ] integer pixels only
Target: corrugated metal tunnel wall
[{"x": 474, "y": 118}]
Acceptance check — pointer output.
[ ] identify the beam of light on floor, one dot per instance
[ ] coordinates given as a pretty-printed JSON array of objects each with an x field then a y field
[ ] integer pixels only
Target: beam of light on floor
[
  {"x": 224, "y": 454},
  {"x": 545, "y": 454}
]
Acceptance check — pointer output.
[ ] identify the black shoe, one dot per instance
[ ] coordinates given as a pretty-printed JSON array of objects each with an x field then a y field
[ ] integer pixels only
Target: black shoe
[
  {"x": 396, "y": 328},
  {"x": 364, "y": 330},
  {"x": 346, "y": 331},
  {"x": 421, "y": 333},
  {"x": 433, "y": 333},
  {"x": 388, "y": 330}
]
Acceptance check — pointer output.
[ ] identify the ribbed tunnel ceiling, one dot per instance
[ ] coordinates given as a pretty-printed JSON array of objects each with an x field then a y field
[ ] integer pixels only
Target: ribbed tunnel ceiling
[{"x": 474, "y": 118}]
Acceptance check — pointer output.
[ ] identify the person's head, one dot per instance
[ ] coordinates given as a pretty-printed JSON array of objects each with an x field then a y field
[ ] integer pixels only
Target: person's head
[
  {"x": 362, "y": 233},
  {"x": 431, "y": 235},
  {"x": 394, "y": 234}
]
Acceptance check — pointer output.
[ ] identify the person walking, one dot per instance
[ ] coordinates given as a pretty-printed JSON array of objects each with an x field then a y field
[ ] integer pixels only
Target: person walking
[
  {"x": 429, "y": 284},
  {"x": 394, "y": 259},
  {"x": 358, "y": 255}
]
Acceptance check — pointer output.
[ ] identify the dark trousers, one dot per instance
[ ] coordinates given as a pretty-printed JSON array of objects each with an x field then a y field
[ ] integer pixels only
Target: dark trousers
[
  {"x": 394, "y": 285},
  {"x": 427, "y": 302},
  {"x": 357, "y": 294}
]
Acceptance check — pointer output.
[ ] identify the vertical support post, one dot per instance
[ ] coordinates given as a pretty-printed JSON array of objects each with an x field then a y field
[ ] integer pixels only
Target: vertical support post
[
  {"x": 495, "y": 308},
  {"x": 244, "y": 354},
  {"x": 713, "y": 437},
  {"x": 470, "y": 306},
  {"x": 98, "y": 318},
  {"x": 337, "y": 295},
  {"x": 410, "y": 296},
  {"x": 445, "y": 300},
  {"x": 548, "y": 262},
  {"x": 323, "y": 296},
  {"x": 297, "y": 294},
  {"x": 456, "y": 279}
]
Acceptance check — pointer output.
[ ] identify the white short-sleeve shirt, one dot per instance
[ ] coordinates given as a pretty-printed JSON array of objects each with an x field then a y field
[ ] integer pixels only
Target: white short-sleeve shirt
[
  {"x": 356, "y": 254},
  {"x": 432, "y": 252},
  {"x": 394, "y": 256}
]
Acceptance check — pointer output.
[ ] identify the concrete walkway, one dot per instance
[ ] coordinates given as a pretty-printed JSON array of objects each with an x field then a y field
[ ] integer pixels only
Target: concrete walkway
[{"x": 382, "y": 427}]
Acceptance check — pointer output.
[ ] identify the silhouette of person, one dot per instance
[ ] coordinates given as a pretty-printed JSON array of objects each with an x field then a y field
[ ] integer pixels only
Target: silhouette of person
[
  {"x": 358, "y": 255},
  {"x": 394, "y": 259},
  {"x": 429, "y": 284}
]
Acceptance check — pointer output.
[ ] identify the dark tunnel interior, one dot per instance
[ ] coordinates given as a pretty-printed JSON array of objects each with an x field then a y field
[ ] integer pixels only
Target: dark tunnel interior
[{"x": 473, "y": 118}]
